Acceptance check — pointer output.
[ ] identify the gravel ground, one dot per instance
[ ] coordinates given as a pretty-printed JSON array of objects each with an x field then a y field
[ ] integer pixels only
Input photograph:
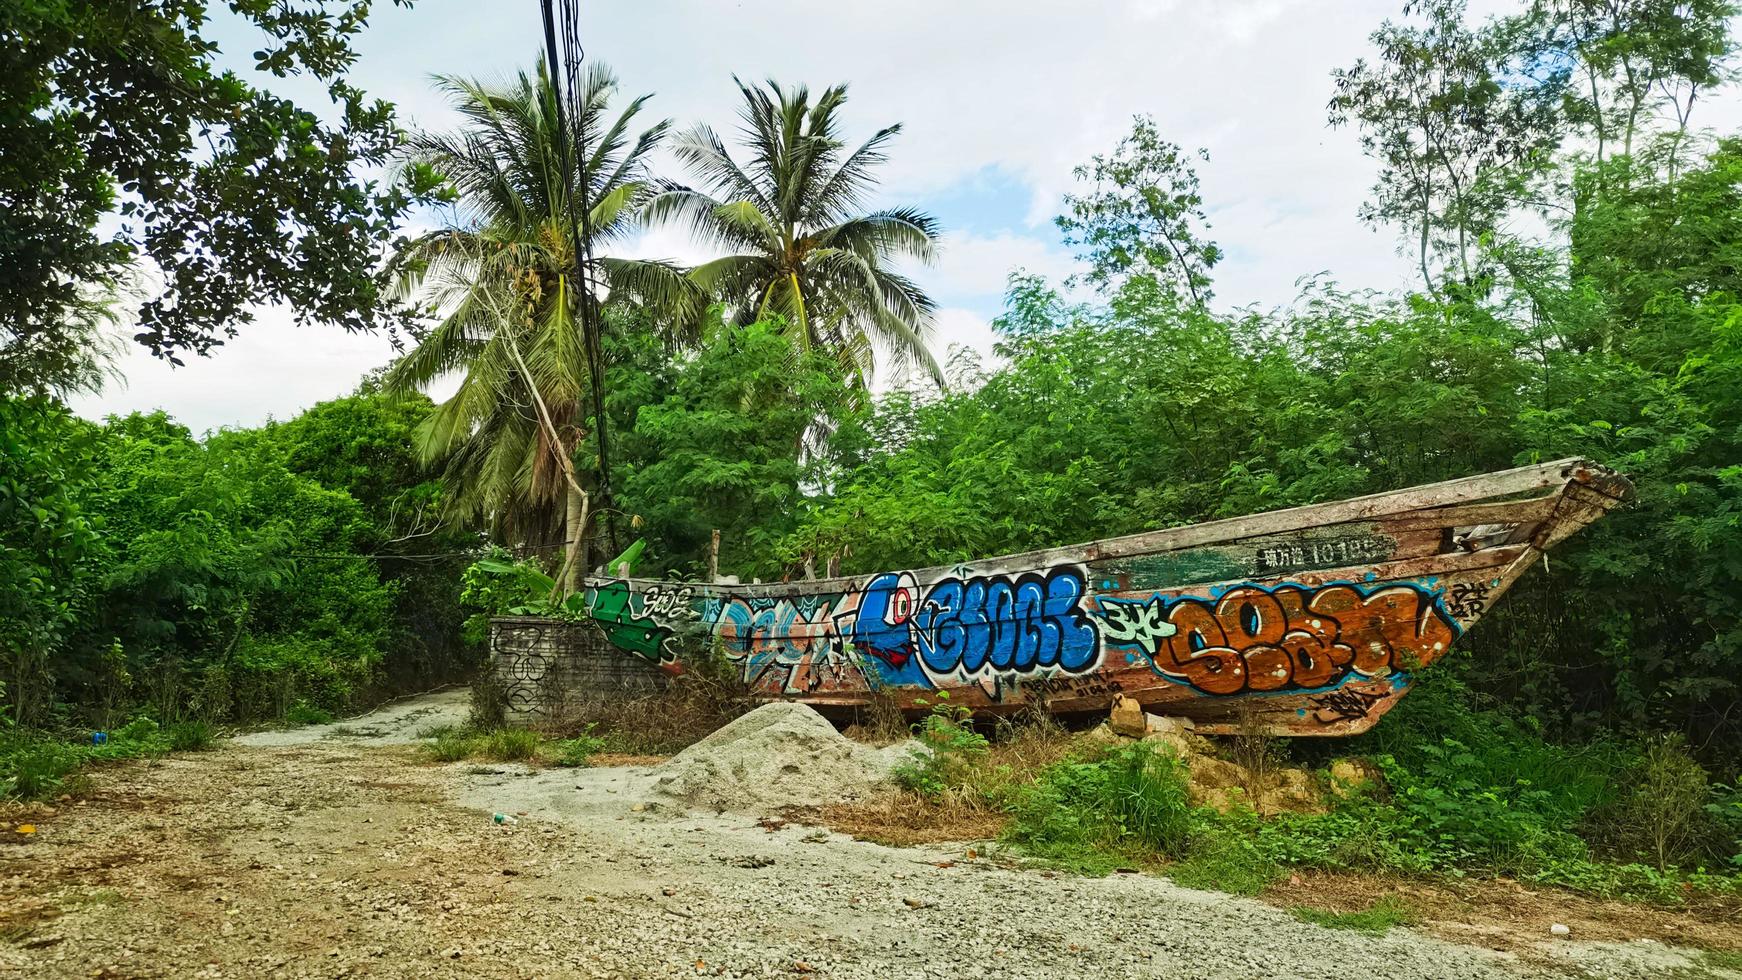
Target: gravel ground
[
  {"x": 402, "y": 722},
  {"x": 349, "y": 856}
]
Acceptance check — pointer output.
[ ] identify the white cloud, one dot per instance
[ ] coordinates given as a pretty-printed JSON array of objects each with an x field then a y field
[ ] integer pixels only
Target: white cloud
[
  {"x": 978, "y": 266},
  {"x": 273, "y": 369},
  {"x": 670, "y": 243},
  {"x": 965, "y": 328}
]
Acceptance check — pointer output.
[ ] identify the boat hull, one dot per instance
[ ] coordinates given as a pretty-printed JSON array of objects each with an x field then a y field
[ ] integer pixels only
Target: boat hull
[{"x": 1311, "y": 621}]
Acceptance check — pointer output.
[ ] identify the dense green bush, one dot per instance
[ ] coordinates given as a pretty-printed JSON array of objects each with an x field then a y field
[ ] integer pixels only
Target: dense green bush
[
  {"x": 221, "y": 579},
  {"x": 1095, "y": 813},
  {"x": 1461, "y": 791}
]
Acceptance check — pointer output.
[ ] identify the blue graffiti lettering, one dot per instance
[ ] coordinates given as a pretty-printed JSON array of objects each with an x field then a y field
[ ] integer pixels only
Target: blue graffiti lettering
[{"x": 978, "y": 625}]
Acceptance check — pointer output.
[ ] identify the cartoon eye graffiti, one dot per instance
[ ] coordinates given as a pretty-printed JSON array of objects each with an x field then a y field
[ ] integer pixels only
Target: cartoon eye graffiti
[{"x": 900, "y": 605}]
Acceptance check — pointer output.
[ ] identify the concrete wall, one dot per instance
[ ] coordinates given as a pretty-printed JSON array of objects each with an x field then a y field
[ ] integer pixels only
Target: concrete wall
[{"x": 546, "y": 667}]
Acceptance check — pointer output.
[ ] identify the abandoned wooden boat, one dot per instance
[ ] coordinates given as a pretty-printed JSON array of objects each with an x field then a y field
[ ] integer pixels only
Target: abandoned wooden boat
[{"x": 1310, "y": 621}]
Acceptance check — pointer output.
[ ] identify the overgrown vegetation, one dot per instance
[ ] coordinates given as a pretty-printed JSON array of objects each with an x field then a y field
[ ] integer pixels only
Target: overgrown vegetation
[
  {"x": 254, "y": 575},
  {"x": 1087, "y": 813},
  {"x": 41, "y": 765},
  {"x": 518, "y": 745},
  {"x": 1474, "y": 797},
  {"x": 1576, "y": 236}
]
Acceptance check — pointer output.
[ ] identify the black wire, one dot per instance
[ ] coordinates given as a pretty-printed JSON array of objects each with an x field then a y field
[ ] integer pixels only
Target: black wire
[
  {"x": 427, "y": 554},
  {"x": 565, "y": 68}
]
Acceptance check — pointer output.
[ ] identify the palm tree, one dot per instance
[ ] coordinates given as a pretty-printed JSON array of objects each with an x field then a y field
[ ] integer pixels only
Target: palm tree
[
  {"x": 800, "y": 248},
  {"x": 504, "y": 277}
]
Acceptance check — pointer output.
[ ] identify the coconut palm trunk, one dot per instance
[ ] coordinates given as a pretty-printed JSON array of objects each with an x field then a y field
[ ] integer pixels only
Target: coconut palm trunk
[{"x": 509, "y": 282}]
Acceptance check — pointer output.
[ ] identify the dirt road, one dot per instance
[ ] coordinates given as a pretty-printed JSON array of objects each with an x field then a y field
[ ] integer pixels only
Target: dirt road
[{"x": 338, "y": 852}]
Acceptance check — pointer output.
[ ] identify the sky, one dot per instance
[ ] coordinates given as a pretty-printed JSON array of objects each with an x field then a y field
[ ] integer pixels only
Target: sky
[{"x": 998, "y": 101}]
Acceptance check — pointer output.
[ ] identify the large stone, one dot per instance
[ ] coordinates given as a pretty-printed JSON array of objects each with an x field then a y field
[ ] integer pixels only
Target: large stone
[
  {"x": 1175, "y": 734},
  {"x": 1224, "y": 785},
  {"x": 1169, "y": 723},
  {"x": 1103, "y": 733},
  {"x": 1352, "y": 777},
  {"x": 1216, "y": 783},
  {"x": 1293, "y": 791},
  {"x": 1127, "y": 718}
]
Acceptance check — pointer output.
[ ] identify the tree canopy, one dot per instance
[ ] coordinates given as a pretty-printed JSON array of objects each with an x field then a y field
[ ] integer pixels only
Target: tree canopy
[
  {"x": 801, "y": 249},
  {"x": 228, "y": 194}
]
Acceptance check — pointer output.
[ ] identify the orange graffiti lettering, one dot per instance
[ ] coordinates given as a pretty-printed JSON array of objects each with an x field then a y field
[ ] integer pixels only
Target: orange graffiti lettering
[{"x": 1257, "y": 639}]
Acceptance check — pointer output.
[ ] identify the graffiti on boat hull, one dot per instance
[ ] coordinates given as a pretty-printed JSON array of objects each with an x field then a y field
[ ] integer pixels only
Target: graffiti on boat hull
[
  {"x": 1040, "y": 632},
  {"x": 1350, "y": 703},
  {"x": 1288, "y": 637},
  {"x": 789, "y": 645},
  {"x": 991, "y": 630},
  {"x": 969, "y": 626}
]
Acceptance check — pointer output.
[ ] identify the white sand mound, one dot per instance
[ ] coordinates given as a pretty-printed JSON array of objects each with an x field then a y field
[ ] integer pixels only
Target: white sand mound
[{"x": 779, "y": 755}]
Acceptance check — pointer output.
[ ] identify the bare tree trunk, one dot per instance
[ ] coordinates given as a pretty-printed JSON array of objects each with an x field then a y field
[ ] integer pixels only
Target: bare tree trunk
[
  {"x": 575, "y": 526},
  {"x": 714, "y": 557}
]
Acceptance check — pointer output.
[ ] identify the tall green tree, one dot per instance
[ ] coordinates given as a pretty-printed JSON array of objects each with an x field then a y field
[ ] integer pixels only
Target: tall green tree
[
  {"x": 508, "y": 285},
  {"x": 1457, "y": 142},
  {"x": 721, "y": 448},
  {"x": 1627, "y": 60},
  {"x": 231, "y": 193},
  {"x": 801, "y": 248},
  {"x": 1143, "y": 217},
  {"x": 366, "y": 445},
  {"x": 1469, "y": 121},
  {"x": 49, "y": 545}
]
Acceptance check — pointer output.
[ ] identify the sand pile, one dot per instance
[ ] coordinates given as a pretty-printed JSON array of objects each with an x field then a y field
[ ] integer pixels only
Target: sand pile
[{"x": 780, "y": 755}]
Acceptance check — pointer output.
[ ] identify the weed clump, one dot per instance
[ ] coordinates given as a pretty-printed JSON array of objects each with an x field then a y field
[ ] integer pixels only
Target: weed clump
[
  {"x": 302, "y": 712},
  {"x": 953, "y": 750},
  {"x": 1128, "y": 805},
  {"x": 1379, "y": 918},
  {"x": 36, "y": 765},
  {"x": 450, "y": 745},
  {"x": 510, "y": 744},
  {"x": 500, "y": 745},
  {"x": 578, "y": 752},
  {"x": 193, "y": 735},
  {"x": 1670, "y": 803},
  {"x": 1222, "y": 859},
  {"x": 35, "y": 768}
]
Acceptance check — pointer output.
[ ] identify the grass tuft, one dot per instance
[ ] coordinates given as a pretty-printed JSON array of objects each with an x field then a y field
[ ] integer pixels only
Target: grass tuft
[
  {"x": 449, "y": 745},
  {"x": 192, "y": 736},
  {"x": 1092, "y": 815},
  {"x": 1223, "y": 860},
  {"x": 1726, "y": 959},
  {"x": 301, "y": 712},
  {"x": 1379, "y": 918},
  {"x": 38, "y": 765},
  {"x": 578, "y": 752},
  {"x": 511, "y": 744}
]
